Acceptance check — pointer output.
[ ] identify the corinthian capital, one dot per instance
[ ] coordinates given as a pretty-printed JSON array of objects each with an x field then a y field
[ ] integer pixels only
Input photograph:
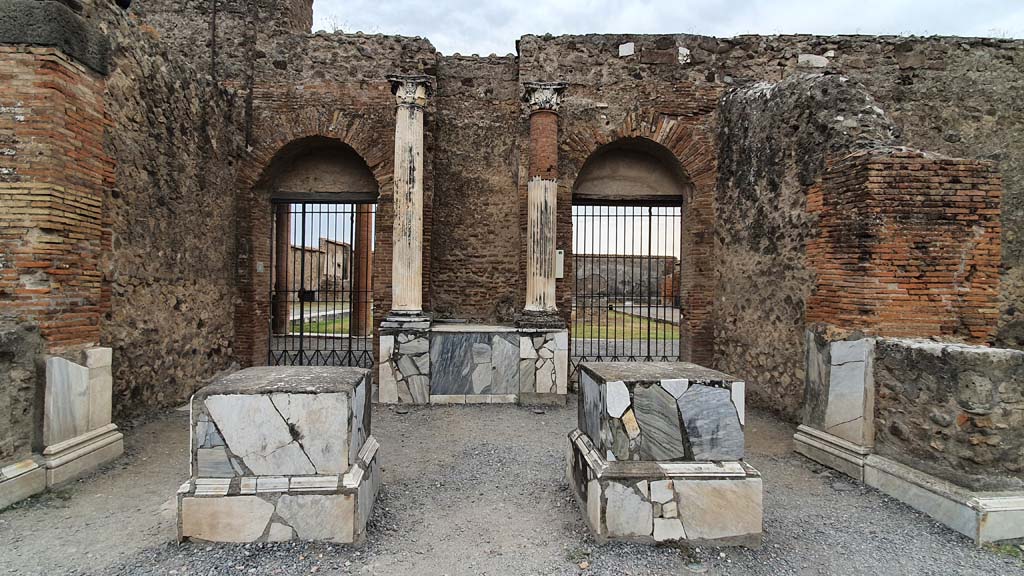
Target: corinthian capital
[
  {"x": 412, "y": 90},
  {"x": 543, "y": 95}
]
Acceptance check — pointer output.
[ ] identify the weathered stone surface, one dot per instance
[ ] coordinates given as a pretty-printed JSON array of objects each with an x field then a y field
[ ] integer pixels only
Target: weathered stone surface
[
  {"x": 213, "y": 463},
  {"x": 711, "y": 423},
  {"x": 231, "y": 519},
  {"x": 701, "y": 502},
  {"x": 656, "y": 411},
  {"x": 626, "y": 513},
  {"x": 618, "y": 398},
  {"x": 256, "y": 433},
  {"x": 322, "y": 422},
  {"x": 319, "y": 517},
  {"x": 20, "y": 344},
  {"x": 66, "y": 401},
  {"x": 668, "y": 529}
]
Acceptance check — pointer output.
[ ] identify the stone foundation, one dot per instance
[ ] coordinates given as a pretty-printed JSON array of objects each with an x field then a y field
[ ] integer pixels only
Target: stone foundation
[
  {"x": 658, "y": 455},
  {"x": 280, "y": 454},
  {"x": 21, "y": 480},
  {"x": 469, "y": 363},
  {"x": 935, "y": 425},
  {"x": 702, "y": 503}
]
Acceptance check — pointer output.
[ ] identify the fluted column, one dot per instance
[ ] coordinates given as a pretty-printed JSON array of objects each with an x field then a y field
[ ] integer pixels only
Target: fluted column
[
  {"x": 411, "y": 93},
  {"x": 542, "y": 191}
]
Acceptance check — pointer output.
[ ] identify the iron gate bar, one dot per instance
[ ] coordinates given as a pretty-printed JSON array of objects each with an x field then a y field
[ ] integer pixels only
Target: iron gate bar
[
  {"x": 334, "y": 304},
  {"x": 629, "y": 317}
]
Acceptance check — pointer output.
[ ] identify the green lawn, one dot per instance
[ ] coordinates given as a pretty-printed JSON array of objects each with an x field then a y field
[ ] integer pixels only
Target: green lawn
[{"x": 609, "y": 325}]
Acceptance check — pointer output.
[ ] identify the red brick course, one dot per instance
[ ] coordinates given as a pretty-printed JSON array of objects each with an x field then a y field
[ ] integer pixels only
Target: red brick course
[
  {"x": 909, "y": 245},
  {"x": 53, "y": 173}
]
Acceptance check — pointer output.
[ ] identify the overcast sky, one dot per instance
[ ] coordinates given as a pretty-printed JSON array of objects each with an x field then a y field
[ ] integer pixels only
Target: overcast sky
[{"x": 492, "y": 26}]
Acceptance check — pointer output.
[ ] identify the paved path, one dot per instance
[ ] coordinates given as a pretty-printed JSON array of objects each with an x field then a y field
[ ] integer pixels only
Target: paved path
[{"x": 471, "y": 490}]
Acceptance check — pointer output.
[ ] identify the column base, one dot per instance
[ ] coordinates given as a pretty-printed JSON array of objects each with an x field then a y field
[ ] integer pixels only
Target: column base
[
  {"x": 700, "y": 503},
  {"x": 404, "y": 368},
  {"x": 539, "y": 320},
  {"x": 78, "y": 456},
  {"x": 21, "y": 480},
  {"x": 831, "y": 451}
]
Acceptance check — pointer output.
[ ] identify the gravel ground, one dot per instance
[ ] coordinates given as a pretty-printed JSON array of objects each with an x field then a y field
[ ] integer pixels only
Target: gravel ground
[{"x": 478, "y": 490}]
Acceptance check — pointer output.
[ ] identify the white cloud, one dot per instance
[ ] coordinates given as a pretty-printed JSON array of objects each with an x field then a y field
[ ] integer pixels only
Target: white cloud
[{"x": 493, "y": 26}]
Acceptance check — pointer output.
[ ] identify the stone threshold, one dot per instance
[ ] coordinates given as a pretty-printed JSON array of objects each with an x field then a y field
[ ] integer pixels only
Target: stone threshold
[{"x": 981, "y": 516}]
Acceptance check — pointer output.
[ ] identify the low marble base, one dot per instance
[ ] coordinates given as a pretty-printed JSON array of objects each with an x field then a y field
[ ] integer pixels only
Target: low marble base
[
  {"x": 78, "y": 456},
  {"x": 984, "y": 517},
  {"x": 21, "y": 480},
  {"x": 700, "y": 503},
  {"x": 333, "y": 508},
  {"x": 831, "y": 451}
]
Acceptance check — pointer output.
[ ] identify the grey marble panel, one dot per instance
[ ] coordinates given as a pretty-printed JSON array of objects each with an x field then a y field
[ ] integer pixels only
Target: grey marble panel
[
  {"x": 592, "y": 401},
  {"x": 505, "y": 361},
  {"x": 451, "y": 361},
  {"x": 658, "y": 415},
  {"x": 816, "y": 379},
  {"x": 711, "y": 423}
]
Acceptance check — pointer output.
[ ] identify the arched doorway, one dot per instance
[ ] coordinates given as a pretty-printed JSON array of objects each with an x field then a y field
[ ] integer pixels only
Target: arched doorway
[
  {"x": 322, "y": 199},
  {"x": 627, "y": 217}
]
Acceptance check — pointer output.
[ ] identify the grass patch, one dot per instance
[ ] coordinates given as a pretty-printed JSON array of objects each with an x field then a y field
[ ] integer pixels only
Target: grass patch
[
  {"x": 335, "y": 326},
  {"x": 611, "y": 325},
  {"x": 1011, "y": 550}
]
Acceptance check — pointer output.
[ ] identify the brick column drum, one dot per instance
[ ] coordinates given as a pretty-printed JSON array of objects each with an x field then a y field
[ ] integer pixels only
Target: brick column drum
[{"x": 542, "y": 191}]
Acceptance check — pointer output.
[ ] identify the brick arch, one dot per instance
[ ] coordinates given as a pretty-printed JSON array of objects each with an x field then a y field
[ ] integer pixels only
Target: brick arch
[
  {"x": 691, "y": 144},
  {"x": 372, "y": 141}
]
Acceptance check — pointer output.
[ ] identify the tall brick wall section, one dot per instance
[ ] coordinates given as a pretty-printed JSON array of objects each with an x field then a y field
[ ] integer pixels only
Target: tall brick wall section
[
  {"x": 909, "y": 245},
  {"x": 773, "y": 141},
  {"x": 475, "y": 269},
  {"x": 53, "y": 173}
]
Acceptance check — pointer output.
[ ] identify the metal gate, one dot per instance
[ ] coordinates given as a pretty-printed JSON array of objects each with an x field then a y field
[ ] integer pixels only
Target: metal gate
[
  {"x": 626, "y": 291},
  {"x": 321, "y": 291}
]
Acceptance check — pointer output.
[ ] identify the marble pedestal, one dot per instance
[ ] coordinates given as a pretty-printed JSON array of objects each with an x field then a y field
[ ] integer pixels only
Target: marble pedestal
[
  {"x": 281, "y": 453},
  {"x": 404, "y": 369},
  {"x": 78, "y": 435},
  {"x": 658, "y": 455},
  {"x": 20, "y": 480}
]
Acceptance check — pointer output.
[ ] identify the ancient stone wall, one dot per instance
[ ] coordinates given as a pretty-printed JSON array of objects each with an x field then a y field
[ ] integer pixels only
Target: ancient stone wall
[
  {"x": 773, "y": 142},
  {"x": 476, "y": 267},
  {"x": 175, "y": 139},
  {"x": 951, "y": 410},
  {"x": 625, "y": 276},
  {"x": 20, "y": 346},
  {"x": 317, "y": 90}
]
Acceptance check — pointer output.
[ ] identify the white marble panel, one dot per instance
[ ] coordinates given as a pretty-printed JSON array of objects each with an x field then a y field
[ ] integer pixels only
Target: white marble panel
[
  {"x": 319, "y": 517},
  {"x": 322, "y": 421},
  {"x": 626, "y": 512},
  {"x": 66, "y": 403},
  {"x": 255, "y": 432},
  {"x": 231, "y": 519}
]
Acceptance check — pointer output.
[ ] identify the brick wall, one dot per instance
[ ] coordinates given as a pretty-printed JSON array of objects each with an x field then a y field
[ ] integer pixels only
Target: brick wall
[
  {"x": 909, "y": 245},
  {"x": 53, "y": 172}
]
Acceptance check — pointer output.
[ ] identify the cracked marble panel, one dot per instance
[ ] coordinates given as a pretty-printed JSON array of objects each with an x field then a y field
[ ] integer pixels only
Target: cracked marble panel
[
  {"x": 505, "y": 363},
  {"x": 656, "y": 411},
  {"x": 711, "y": 423},
  {"x": 256, "y": 433},
  {"x": 627, "y": 513},
  {"x": 321, "y": 421}
]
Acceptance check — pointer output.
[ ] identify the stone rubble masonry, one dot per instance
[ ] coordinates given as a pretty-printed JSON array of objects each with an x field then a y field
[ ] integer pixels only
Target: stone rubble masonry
[
  {"x": 20, "y": 346},
  {"x": 281, "y": 453}
]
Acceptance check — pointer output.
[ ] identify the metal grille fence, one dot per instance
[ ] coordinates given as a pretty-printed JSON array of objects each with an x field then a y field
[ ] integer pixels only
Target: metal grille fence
[
  {"x": 321, "y": 289},
  {"x": 626, "y": 291}
]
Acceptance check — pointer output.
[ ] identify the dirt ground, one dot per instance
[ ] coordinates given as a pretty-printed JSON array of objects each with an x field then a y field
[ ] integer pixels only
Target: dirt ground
[{"x": 477, "y": 490}]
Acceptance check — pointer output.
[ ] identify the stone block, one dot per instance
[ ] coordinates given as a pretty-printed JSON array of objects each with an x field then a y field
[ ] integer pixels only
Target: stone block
[
  {"x": 280, "y": 421},
  {"x": 21, "y": 480},
  {"x": 702, "y": 503},
  {"x": 298, "y": 441},
  {"x": 661, "y": 411},
  {"x": 71, "y": 462}
]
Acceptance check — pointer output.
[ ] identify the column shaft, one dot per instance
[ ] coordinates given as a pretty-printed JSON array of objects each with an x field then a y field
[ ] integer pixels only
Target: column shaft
[
  {"x": 282, "y": 239},
  {"x": 362, "y": 273}
]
